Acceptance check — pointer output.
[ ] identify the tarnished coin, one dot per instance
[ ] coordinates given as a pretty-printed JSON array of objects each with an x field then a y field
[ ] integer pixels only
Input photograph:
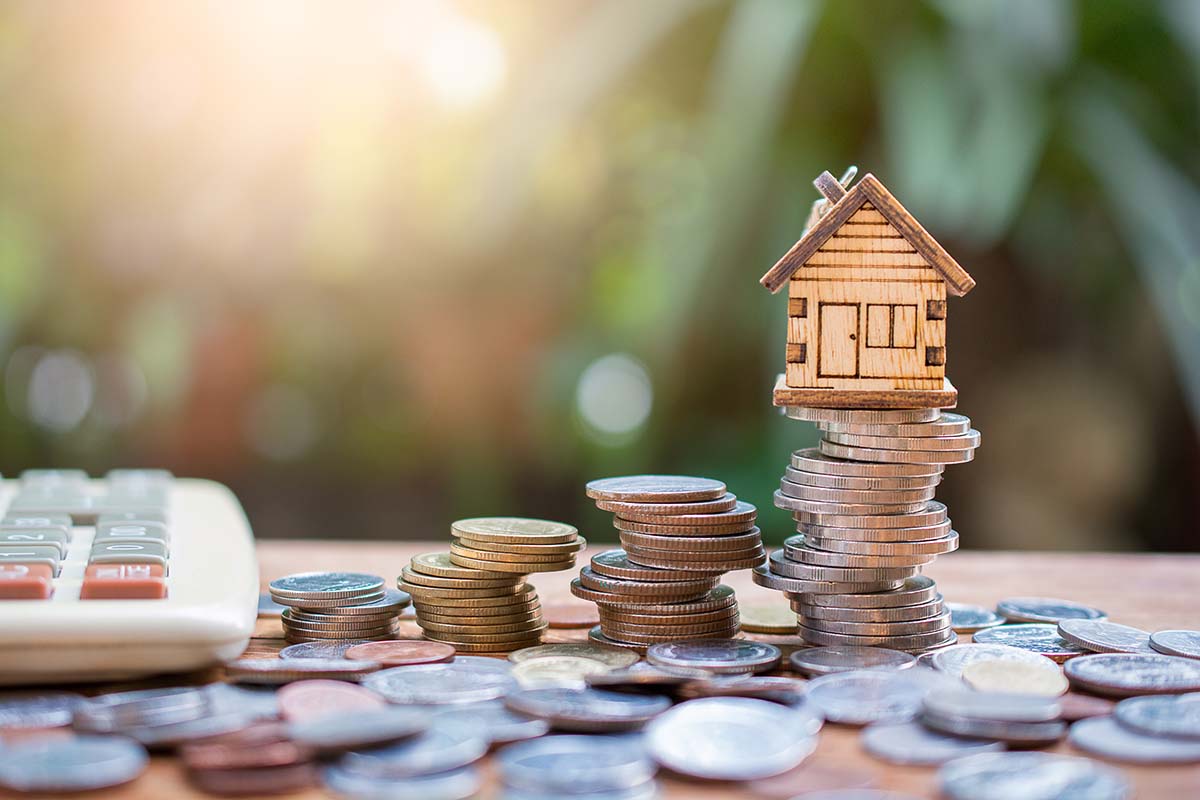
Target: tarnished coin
[
  {"x": 863, "y": 416},
  {"x": 896, "y": 456},
  {"x": 559, "y": 765},
  {"x": 610, "y": 657},
  {"x": 497, "y": 723},
  {"x": 867, "y": 696},
  {"x": 655, "y": 489},
  {"x": 829, "y": 660},
  {"x": 1036, "y": 638},
  {"x": 325, "y": 586},
  {"x": 742, "y": 515},
  {"x": 969, "y": 619},
  {"x": 443, "y": 746},
  {"x": 1104, "y": 737},
  {"x": 1105, "y": 637},
  {"x": 440, "y": 565},
  {"x": 631, "y": 599},
  {"x": 75, "y": 764},
  {"x": 401, "y": 653},
  {"x": 587, "y": 710},
  {"x": 1030, "y": 776},
  {"x": 264, "y": 744},
  {"x": 1161, "y": 715},
  {"x": 255, "y": 782},
  {"x": 522, "y": 567},
  {"x": 1185, "y": 644},
  {"x": 36, "y": 709},
  {"x": 954, "y": 659},
  {"x": 275, "y": 671},
  {"x": 1129, "y": 674},
  {"x": 570, "y": 615},
  {"x": 732, "y": 738},
  {"x": 454, "y": 784},
  {"x": 458, "y": 548},
  {"x": 913, "y": 743},
  {"x": 437, "y": 684},
  {"x": 333, "y": 733},
  {"x": 958, "y": 701},
  {"x": 776, "y": 619},
  {"x": 601, "y": 583},
  {"x": 1016, "y": 677},
  {"x": 312, "y": 699},
  {"x": 914, "y": 591},
  {"x": 616, "y": 564},
  {"x": 722, "y": 656},
  {"x": 516, "y": 530},
  {"x": 1045, "y": 609}
]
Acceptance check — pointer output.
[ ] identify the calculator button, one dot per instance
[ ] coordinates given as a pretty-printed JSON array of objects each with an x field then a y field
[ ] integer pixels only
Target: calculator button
[
  {"x": 132, "y": 515},
  {"x": 25, "y": 582},
  {"x": 139, "y": 475},
  {"x": 129, "y": 553},
  {"x": 53, "y": 476},
  {"x": 123, "y": 582},
  {"x": 61, "y": 521},
  {"x": 54, "y": 499},
  {"x": 55, "y": 537},
  {"x": 30, "y": 554},
  {"x": 131, "y": 532}
]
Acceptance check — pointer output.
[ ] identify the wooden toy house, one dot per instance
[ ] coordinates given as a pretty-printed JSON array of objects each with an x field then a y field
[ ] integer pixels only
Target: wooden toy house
[{"x": 867, "y": 290}]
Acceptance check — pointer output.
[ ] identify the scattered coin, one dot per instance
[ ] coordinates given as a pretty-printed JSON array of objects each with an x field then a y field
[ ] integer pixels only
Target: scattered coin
[
  {"x": 786, "y": 691},
  {"x": 435, "y": 684},
  {"x": 333, "y": 733},
  {"x": 1018, "y": 734},
  {"x": 401, "y": 653},
  {"x": 497, "y": 723},
  {"x": 1045, "y": 609},
  {"x": 442, "y": 747},
  {"x": 611, "y": 657},
  {"x": 455, "y": 784},
  {"x": 969, "y": 619},
  {"x": 953, "y": 659},
  {"x": 76, "y": 764},
  {"x": 868, "y": 696},
  {"x": 913, "y": 743},
  {"x": 732, "y": 738},
  {"x": 1129, "y": 674},
  {"x": 325, "y": 586},
  {"x": 1185, "y": 644},
  {"x": 1161, "y": 715},
  {"x": 655, "y": 489},
  {"x": 311, "y": 699},
  {"x": 1016, "y": 677},
  {"x": 716, "y": 655},
  {"x": 958, "y": 701},
  {"x": 776, "y": 619},
  {"x": 847, "y": 658},
  {"x": 642, "y": 677},
  {"x": 1043, "y": 639},
  {"x": 1105, "y": 637},
  {"x": 587, "y": 710},
  {"x": 570, "y": 615},
  {"x": 31, "y": 710},
  {"x": 1103, "y": 736},
  {"x": 564, "y": 765},
  {"x": 552, "y": 671},
  {"x": 275, "y": 671},
  {"x": 1030, "y": 776},
  {"x": 329, "y": 649},
  {"x": 515, "y": 530},
  {"x": 1077, "y": 706}
]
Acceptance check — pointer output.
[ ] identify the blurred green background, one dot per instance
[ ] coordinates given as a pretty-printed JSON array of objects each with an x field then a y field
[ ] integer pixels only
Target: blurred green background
[{"x": 379, "y": 265}]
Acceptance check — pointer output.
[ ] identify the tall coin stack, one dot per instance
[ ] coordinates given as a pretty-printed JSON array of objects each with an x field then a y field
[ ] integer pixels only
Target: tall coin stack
[
  {"x": 475, "y": 597},
  {"x": 680, "y": 534},
  {"x": 338, "y": 606},
  {"x": 867, "y": 522}
]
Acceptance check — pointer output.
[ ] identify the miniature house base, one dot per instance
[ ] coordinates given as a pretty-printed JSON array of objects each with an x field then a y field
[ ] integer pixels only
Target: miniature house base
[{"x": 946, "y": 397}]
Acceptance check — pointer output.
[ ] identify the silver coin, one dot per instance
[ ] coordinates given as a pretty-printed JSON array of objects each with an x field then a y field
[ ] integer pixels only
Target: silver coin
[
  {"x": 363, "y": 728},
  {"x": 1185, "y": 644},
  {"x": 997, "y": 706},
  {"x": 716, "y": 655},
  {"x": 577, "y": 764},
  {"x": 969, "y": 619},
  {"x": 112, "y": 712},
  {"x": 457, "y": 784},
  {"x": 1034, "y": 637},
  {"x": 1129, "y": 674},
  {"x": 1104, "y": 737},
  {"x": 499, "y": 724},
  {"x": 1045, "y": 609},
  {"x": 81, "y": 763},
  {"x": 173, "y": 734},
  {"x": 588, "y": 710},
  {"x": 1161, "y": 715},
  {"x": 915, "y": 590},
  {"x": 327, "y": 649},
  {"x": 485, "y": 664},
  {"x": 440, "y": 748},
  {"x": 37, "y": 709},
  {"x": 1030, "y": 776},
  {"x": 952, "y": 659},
  {"x": 325, "y": 585},
  {"x": 863, "y": 416},
  {"x": 644, "y": 791},
  {"x": 946, "y": 424},
  {"x": 1022, "y": 734},
  {"x": 856, "y": 794},
  {"x": 813, "y": 460},
  {"x": 458, "y": 681},
  {"x": 1105, "y": 637},
  {"x": 732, "y": 738},
  {"x": 257, "y": 702},
  {"x": 844, "y": 658},
  {"x": 393, "y": 600},
  {"x": 868, "y": 696},
  {"x": 913, "y": 743}
]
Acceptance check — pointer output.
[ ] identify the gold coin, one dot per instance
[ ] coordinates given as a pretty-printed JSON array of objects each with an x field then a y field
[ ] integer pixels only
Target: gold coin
[
  {"x": 599, "y": 637},
  {"x": 516, "y": 530},
  {"x": 473, "y": 602},
  {"x": 733, "y": 541},
  {"x": 410, "y": 576},
  {"x": 648, "y": 639},
  {"x": 768, "y": 619},
  {"x": 523, "y": 567},
  {"x": 495, "y": 619},
  {"x": 677, "y": 631},
  {"x": 525, "y": 605},
  {"x": 486, "y": 648},
  {"x": 439, "y": 565},
  {"x": 559, "y": 550},
  {"x": 430, "y": 592},
  {"x": 535, "y": 624},
  {"x": 485, "y": 638},
  {"x": 1019, "y": 677},
  {"x": 457, "y": 549},
  {"x": 686, "y": 554},
  {"x": 612, "y": 598},
  {"x": 683, "y": 529},
  {"x": 621, "y": 615}
]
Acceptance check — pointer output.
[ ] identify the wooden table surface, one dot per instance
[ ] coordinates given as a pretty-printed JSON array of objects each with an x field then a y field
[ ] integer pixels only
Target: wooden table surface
[{"x": 1146, "y": 591}]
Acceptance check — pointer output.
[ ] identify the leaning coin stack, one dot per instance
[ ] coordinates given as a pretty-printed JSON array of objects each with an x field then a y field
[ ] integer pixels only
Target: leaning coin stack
[
  {"x": 475, "y": 597},
  {"x": 337, "y": 605},
  {"x": 867, "y": 521},
  {"x": 680, "y": 534}
]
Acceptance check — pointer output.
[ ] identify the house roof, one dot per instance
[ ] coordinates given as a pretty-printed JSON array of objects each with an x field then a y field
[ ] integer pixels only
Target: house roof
[{"x": 869, "y": 190}]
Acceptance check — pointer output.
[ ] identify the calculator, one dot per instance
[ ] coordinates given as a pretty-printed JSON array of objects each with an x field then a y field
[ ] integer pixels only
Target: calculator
[{"x": 136, "y": 573}]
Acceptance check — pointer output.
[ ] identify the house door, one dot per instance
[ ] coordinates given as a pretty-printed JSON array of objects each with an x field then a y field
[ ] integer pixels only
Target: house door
[{"x": 837, "y": 353}]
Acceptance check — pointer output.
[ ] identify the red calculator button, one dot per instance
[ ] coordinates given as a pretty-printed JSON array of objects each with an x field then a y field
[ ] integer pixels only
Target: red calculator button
[
  {"x": 25, "y": 582},
  {"x": 123, "y": 582}
]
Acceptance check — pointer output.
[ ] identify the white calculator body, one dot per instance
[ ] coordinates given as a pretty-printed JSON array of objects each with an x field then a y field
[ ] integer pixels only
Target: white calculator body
[{"x": 133, "y": 574}]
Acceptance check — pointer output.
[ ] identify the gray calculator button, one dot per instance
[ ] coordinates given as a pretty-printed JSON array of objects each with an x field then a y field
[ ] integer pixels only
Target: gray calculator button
[
  {"x": 131, "y": 532},
  {"x": 139, "y": 495},
  {"x": 30, "y": 554},
  {"x": 53, "y": 537},
  {"x": 132, "y": 515},
  {"x": 62, "y": 521},
  {"x": 115, "y": 476},
  {"x": 129, "y": 553},
  {"x": 53, "y": 476}
]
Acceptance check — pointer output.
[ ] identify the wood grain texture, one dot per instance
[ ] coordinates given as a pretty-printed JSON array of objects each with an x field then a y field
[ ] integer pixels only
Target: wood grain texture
[
  {"x": 879, "y": 397},
  {"x": 1146, "y": 591}
]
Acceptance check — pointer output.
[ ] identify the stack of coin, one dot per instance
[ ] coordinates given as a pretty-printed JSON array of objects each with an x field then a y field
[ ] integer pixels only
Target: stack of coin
[
  {"x": 680, "y": 534},
  {"x": 337, "y": 605},
  {"x": 475, "y": 597},
  {"x": 867, "y": 523}
]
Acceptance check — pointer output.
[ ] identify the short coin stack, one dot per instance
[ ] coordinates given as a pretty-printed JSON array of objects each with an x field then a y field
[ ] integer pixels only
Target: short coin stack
[
  {"x": 475, "y": 597},
  {"x": 680, "y": 534},
  {"x": 337, "y": 605},
  {"x": 867, "y": 521}
]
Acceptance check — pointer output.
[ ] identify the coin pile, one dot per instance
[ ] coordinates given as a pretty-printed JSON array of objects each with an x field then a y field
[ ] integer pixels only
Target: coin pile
[
  {"x": 867, "y": 522},
  {"x": 338, "y": 606},
  {"x": 679, "y": 535},
  {"x": 475, "y": 597}
]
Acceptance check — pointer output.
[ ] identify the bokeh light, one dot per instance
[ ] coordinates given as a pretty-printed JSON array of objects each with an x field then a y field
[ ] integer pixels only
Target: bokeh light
[{"x": 615, "y": 396}]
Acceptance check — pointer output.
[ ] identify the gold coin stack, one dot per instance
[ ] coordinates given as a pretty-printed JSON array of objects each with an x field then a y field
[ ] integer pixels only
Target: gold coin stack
[
  {"x": 680, "y": 534},
  {"x": 475, "y": 597},
  {"x": 867, "y": 523}
]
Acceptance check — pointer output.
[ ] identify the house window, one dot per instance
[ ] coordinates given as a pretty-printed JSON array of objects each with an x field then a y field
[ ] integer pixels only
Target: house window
[{"x": 892, "y": 326}]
